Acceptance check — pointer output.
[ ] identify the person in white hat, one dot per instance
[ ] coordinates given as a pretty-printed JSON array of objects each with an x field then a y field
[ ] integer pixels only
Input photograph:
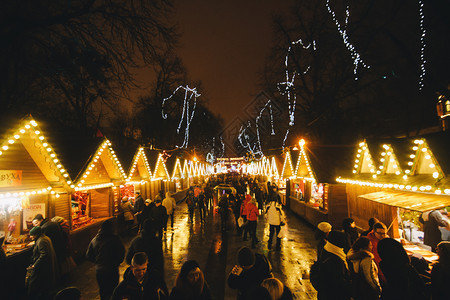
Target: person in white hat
[{"x": 321, "y": 234}]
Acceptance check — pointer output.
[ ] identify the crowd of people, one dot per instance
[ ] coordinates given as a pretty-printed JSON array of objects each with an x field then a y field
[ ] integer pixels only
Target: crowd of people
[
  {"x": 350, "y": 264},
  {"x": 371, "y": 265}
]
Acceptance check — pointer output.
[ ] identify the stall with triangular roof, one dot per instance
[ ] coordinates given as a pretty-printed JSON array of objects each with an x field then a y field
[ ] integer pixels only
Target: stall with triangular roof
[
  {"x": 97, "y": 186},
  {"x": 33, "y": 180},
  {"x": 139, "y": 176},
  {"x": 397, "y": 180},
  {"x": 315, "y": 194}
]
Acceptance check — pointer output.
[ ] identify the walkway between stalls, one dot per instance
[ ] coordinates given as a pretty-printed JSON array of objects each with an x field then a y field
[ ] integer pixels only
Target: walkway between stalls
[{"x": 216, "y": 254}]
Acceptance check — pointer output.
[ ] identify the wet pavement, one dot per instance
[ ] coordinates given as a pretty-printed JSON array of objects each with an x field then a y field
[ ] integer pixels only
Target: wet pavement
[{"x": 216, "y": 254}]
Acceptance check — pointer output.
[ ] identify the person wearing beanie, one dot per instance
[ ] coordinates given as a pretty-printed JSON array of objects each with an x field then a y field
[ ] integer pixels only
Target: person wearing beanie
[
  {"x": 349, "y": 227},
  {"x": 336, "y": 275},
  {"x": 441, "y": 272},
  {"x": 190, "y": 283},
  {"x": 251, "y": 269},
  {"x": 68, "y": 293},
  {"x": 322, "y": 231},
  {"x": 44, "y": 265},
  {"x": 106, "y": 251}
]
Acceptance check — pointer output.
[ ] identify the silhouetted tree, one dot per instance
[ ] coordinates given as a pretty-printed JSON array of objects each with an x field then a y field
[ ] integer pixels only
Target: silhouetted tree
[{"x": 75, "y": 57}]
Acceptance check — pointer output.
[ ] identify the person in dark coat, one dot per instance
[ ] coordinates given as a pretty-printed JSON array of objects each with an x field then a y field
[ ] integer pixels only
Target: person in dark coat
[
  {"x": 54, "y": 232},
  {"x": 140, "y": 282},
  {"x": 251, "y": 270},
  {"x": 190, "y": 203},
  {"x": 336, "y": 276},
  {"x": 190, "y": 283},
  {"x": 44, "y": 265},
  {"x": 201, "y": 205},
  {"x": 159, "y": 216},
  {"x": 3, "y": 266},
  {"x": 432, "y": 220},
  {"x": 402, "y": 280},
  {"x": 106, "y": 250},
  {"x": 223, "y": 211},
  {"x": 440, "y": 273},
  {"x": 139, "y": 207},
  {"x": 349, "y": 227},
  {"x": 149, "y": 243}
]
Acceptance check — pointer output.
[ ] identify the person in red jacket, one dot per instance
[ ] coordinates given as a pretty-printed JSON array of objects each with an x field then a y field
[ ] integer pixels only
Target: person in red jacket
[
  {"x": 252, "y": 218},
  {"x": 378, "y": 233},
  {"x": 244, "y": 214}
]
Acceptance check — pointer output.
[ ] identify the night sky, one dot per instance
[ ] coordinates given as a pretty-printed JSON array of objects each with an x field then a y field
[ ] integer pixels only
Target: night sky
[{"x": 224, "y": 44}]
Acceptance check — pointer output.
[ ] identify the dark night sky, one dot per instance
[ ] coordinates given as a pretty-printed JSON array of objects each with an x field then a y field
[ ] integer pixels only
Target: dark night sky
[{"x": 224, "y": 44}]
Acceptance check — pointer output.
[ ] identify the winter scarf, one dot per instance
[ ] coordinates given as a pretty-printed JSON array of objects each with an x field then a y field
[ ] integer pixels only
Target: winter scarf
[{"x": 339, "y": 252}]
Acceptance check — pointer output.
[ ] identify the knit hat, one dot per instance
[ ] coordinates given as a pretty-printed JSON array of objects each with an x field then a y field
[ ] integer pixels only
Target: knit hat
[
  {"x": 246, "y": 257},
  {"x": 337, "y": 238},
  {"x": 187, "y": 267},
  {"x": 36, "y": 231},
  {"x": 324, "y": 227}
]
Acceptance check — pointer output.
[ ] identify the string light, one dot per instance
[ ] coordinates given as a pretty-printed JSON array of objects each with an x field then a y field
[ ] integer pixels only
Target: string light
[
  {"x": 357, "y": 60},
  {"x": 189, "y": 93},
  {"x": 422, "y": 45}
]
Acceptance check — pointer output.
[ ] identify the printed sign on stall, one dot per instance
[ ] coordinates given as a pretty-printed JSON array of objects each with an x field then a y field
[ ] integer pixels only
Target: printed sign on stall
[
  {"x": 30, "y": 212},
  {"x": 10, "y": 178}
]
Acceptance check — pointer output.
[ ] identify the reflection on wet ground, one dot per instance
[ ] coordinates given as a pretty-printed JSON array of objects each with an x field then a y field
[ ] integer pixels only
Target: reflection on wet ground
[{"x": 216, "y": 254}]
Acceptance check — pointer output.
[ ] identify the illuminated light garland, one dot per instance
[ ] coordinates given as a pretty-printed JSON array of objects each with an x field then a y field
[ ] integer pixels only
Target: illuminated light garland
[
  {"x": 179, "y": 168},
  {"x": 96, "y": 158},
  {"x": 357, "y": 60},
  {"x": 47, "y": 190},
  {"x": 189, "y": 93},
  {"x": 422, "y": 44},
  {"x": 424, "y": 189},
  {"x": 30, "y": 126},
  {"x": 308, "y": 165},
  {"x": 140, "y": 153},
  {"x": 155, "y": 173},
  {"x": 94, "y": 187}
]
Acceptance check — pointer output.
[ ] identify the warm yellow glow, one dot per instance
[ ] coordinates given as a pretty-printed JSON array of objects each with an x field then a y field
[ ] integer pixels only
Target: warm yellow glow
[{"x": 302, "y": 142}]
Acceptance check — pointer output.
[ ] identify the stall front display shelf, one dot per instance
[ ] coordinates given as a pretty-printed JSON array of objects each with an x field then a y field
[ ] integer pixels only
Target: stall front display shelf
[
  {"x": 11, "y": 249},
  {"x": 414, "y": 249}
]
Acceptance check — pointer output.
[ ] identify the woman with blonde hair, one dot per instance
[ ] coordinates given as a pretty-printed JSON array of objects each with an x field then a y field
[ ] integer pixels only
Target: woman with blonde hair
[
  {"x": 252, "y": 218},
  {"x": 276, "y": 289}
]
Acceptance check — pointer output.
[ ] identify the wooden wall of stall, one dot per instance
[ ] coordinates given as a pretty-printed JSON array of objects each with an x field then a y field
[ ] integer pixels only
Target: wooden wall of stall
[
  {"x": 361, "y": 210},
  {"x": 337, "y": 204}
]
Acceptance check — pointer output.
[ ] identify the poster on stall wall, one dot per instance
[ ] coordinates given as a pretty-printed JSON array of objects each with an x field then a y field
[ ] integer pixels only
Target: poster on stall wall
[{"x": 30, "y": 212}]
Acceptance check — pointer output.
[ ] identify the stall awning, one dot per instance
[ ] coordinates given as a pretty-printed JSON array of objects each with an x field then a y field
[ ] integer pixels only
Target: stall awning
[{"x": 409, "y": 200}]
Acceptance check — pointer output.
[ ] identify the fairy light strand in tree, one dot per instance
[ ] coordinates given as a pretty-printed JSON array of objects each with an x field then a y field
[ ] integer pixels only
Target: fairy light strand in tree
[
  {"x": 288, "y": 84},
  {"x": 422, "y": 45},
  {"x": 189, "y": 94},
  {"x": 357, "y": 60}
]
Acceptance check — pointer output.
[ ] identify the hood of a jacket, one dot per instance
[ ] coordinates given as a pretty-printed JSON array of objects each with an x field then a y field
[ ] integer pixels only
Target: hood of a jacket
[{"x": 359, "y": 255}]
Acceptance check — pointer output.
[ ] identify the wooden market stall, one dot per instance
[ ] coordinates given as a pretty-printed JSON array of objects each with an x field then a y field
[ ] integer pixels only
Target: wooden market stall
[
  {"x": 160, "y": 175},
  {"x": 97, "y": 191},
  {"x": 139, "y": 176},
  {"x": 314, "y": 193},
  {"x": 175, "y": 168},
  {"x": 396, "y": 180},
  {"x": 32, "y": 180}
]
